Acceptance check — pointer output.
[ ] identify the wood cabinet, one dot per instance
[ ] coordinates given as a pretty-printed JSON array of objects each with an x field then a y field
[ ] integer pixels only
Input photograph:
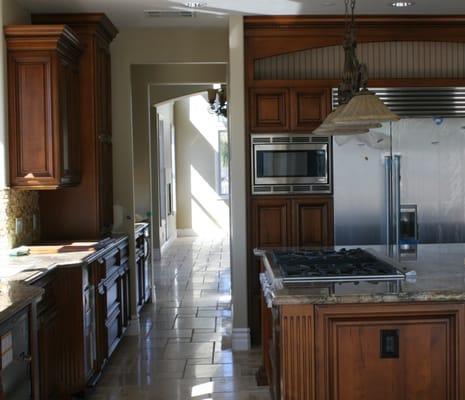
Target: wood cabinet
[
  {"x": 312, "y": 221},
  {"x": 82, "y": 317},
  {"x": 269, "y": 110},
  {"x": 280, "y": 222},
  {"x": 288, "y": 109},
  {"x": 48, "y": 331},
  {"x": 112, "y": 300},
  {"x": 300, "y": 221},
  {"x": 271, "y": 222},
  {"x": 143, "y": 266},
  {"x": 427, "y": 361},
  {"x": 366, "y": 351},
  {"x": 309, "y": 107},
  {"x": 43, "y": 106},
  {"x": 86, "y": 211}
]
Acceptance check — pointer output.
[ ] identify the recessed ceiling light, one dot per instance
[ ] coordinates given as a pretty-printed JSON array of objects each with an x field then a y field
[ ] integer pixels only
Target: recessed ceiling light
[
  {"x": 402, "y": 4},
  {"x": 328, "y": 3},
  {"x": 195, "y": 4}
]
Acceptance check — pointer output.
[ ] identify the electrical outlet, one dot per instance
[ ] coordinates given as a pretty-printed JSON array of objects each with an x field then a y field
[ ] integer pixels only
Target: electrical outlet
[{"x": 18, "y": 226}]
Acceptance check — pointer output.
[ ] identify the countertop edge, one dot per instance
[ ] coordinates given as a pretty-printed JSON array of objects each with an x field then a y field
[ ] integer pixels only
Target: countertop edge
[{"x": 28, "y": 294}]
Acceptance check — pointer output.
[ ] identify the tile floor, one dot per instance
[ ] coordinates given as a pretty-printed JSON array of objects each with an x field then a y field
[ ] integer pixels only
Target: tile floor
[{"x": 183, "y": 349}]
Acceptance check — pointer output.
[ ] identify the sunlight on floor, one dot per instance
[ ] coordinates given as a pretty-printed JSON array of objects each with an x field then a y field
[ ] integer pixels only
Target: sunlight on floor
[{"x": 202, "y": 389}]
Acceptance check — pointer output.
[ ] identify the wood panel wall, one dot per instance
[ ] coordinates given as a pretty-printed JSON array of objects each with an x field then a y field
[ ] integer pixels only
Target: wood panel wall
[{"x": 297, "y": 352}]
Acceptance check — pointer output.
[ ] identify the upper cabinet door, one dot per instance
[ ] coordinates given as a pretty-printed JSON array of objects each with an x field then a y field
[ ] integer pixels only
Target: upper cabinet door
[
  {"x": 312, "y": 221},
  {"x": 309, "y": 107},
  {"x": 43, "y": 106},
  {"x": 269, "y": 110}
]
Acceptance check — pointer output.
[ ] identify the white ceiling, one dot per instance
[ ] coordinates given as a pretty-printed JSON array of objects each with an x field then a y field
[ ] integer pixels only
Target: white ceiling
[{"x": 130, "y": 13}]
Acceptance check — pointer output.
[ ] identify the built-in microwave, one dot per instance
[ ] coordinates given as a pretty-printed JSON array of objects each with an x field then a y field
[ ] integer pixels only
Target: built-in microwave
[{"x": 290, "y": 163}]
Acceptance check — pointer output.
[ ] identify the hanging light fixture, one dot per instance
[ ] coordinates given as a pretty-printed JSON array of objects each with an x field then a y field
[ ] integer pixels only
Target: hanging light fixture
[
  {"x": 365, "y": 107},
  {"x": 218, "y": 101},
  {"x": 329, "y": 128},
  {"x": 359, "y": 110}
]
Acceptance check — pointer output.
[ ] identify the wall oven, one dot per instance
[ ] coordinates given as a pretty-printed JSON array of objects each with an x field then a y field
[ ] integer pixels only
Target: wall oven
[{"x": 290, "y": 163}]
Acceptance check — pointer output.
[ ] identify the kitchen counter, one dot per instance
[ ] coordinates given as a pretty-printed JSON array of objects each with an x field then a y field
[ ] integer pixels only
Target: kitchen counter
[
  {"x": 14, "y": 296},
  {"x": 440, "y": 277},
  {"x": 46, "y": 257}
]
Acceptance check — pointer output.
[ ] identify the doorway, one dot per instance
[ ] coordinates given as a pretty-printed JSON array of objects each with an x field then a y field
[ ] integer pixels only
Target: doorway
[{"x": 193, "y": 145}]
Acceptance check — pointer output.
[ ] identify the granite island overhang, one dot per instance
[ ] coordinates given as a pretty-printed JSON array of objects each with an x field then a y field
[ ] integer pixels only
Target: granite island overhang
[{"x": 349, "y": 340}]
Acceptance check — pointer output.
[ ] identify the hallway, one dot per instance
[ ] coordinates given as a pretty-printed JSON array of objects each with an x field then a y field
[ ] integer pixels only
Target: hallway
[{"x": 183, "y": 349}]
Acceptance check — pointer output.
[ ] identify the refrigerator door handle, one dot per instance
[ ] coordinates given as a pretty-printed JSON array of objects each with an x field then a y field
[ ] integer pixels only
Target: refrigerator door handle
[
  {"x": 388, "y": 199},
  {"x": 397, "y": 202}
]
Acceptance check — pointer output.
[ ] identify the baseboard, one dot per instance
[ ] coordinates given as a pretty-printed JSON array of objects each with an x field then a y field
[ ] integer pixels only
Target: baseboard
[
  {"x": 133, "y": 328},
  {"x": 168, "y": 243},
  {"x": 241, "y": 339},
  {"x": 186, "y": 233}
]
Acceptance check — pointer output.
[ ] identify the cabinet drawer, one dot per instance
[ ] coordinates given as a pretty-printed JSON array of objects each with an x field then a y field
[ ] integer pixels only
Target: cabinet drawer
[
  {"x": 124, "y": 252},
  {"x": 112, "y": 295},
  {"x": 113, "y": 332},
  {"x": 111, "y": 261}
]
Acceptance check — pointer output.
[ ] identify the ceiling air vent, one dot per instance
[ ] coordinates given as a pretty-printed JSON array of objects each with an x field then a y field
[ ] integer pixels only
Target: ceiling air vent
[{"x": 169, "y": 14}]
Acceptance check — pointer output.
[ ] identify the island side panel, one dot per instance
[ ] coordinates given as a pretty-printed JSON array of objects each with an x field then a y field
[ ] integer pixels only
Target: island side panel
[
  {"x": 429, "y": 363},
  {"x": 297, "y": 352}
]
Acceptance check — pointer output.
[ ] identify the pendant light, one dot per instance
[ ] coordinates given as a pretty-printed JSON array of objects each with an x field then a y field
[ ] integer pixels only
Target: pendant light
[
  {"x": 359, "y": 110},
  {"x": 329, "y": 128},
  {"x": 364, "y": 107}
]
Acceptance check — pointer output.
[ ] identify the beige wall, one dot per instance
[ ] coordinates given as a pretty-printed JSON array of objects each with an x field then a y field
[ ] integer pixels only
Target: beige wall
[
  {"x": 167, "y": 222},
  {"x": 147, "y": 46},
  {"x": 199, "y": 208},
  {"x": 160, "y": 93},
  {"x": 152, "y": 84},
  {"x": 238, "y": 183},
  {"x": 13, "y": 204}
]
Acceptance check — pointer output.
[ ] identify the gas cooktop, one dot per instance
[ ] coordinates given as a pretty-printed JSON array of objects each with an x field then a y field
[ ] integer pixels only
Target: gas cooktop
[{"x": 353, "y": 265}]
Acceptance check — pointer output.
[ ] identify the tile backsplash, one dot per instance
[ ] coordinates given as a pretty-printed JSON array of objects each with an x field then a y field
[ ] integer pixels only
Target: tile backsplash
[{"x": 22, "y": 205}]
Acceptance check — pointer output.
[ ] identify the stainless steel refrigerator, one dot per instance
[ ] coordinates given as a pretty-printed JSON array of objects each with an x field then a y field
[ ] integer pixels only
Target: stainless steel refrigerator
[{"x": 405, "y": 182}]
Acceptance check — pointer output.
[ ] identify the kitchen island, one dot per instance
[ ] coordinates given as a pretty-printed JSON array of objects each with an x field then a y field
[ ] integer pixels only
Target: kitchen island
[{"x": 369, "y": 340}]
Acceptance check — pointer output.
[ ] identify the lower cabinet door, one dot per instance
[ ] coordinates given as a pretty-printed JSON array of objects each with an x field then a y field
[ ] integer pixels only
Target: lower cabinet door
[
  {"x": 403, "y": 352},
  {"x": 312, "y": 219},
  {"x": 47, "y": 339}
]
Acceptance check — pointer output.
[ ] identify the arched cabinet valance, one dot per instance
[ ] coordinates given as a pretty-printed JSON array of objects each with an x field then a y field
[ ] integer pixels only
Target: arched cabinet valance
[{"x": 385, "y": 60}]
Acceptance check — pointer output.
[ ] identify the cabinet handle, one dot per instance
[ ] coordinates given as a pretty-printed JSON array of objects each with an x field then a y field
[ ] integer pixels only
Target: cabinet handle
[{"x": 25, "y": 357}]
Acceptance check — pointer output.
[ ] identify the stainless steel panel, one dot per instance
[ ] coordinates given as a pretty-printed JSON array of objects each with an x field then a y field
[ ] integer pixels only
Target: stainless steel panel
[
  {"x": 421, "y": 102},
  {"x": 433, "y": 175},
  {"x": 359, "y": 188},
  {"x": 430, "y": 173}
]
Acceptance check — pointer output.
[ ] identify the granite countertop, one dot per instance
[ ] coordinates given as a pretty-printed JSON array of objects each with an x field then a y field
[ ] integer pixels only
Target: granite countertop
[
  {"x": 440, "y": 276},
  {"x": 46, "y": 257},
  {"x": 18, "y": 273},
  {"x": 14, "y": 296}
]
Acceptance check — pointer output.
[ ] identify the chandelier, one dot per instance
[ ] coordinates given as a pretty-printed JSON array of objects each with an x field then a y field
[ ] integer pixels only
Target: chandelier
[
  {"x": 359, "y": 109},
  {"x": 218, "y": 101}
]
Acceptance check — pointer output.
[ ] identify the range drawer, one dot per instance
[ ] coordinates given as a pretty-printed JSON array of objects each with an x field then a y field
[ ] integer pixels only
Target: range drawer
[
  {"x": 113, "y": 330},
  {"x": 112, "y": 296}
]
